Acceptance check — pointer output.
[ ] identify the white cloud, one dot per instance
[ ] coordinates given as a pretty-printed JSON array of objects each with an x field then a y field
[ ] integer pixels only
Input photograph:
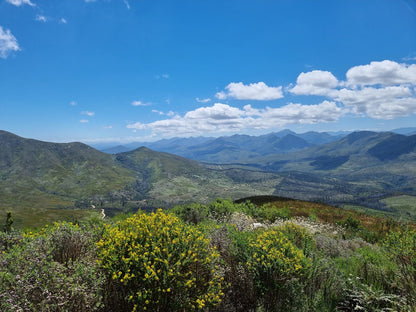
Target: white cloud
[
  {"x": 221, "y": 95},
  {"x": 380, "y": 103},
  {"x": 170, "y": 113},
  {"x": 381, "y": 90},
  {"x": 254, "y": 91},
  {"x": 84, "y": 121},
  {"x": 41, "y": 18},
  {"x": 303, "y": 114},
  {"x": 384, "y": 73},
  {"x": 20, "y": 2},
  {"x": 8, "y": 43},
  {"x": 202, "y": 100},
  {"x": 316, "y": 82},
  {"x": 73, "y": 103},
  {"x": 127, "y": 4},
  {"x": 63, "y": 21},
  {"x": 140, "y": 103},
  {"x": 409, "y": 58},
  {"x": 88, "y": 113},
  {"x": 107, "y": 127},
  {"x": 157, "y": 112},
  {"x": 164, "y": 76},
  {"x": 224, "y": 118},
  {"x": 217, "y": 112}
]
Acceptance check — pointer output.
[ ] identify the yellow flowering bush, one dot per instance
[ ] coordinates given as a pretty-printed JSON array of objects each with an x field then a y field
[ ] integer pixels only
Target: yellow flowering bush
[
  {"x": 299, "y": 236},
  {"x": 273, "y": 253},
  {"x": 162, "y": 263},
  {"x": 275, "y": 261}
]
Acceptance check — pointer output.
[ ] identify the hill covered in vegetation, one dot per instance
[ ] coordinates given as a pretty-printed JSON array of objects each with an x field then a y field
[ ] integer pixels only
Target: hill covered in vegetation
[{"x": 42, "y": 181}]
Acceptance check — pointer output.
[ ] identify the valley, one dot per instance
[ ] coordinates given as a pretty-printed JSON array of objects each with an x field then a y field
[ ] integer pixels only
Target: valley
[{"x": 367, "y": 171}]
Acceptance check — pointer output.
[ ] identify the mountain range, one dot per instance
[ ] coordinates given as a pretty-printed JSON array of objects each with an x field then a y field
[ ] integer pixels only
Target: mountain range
[
  {"x": 238, "y": 147},
  {"x": 233, "y": 148},
  {"x": 361, "y": 168}
]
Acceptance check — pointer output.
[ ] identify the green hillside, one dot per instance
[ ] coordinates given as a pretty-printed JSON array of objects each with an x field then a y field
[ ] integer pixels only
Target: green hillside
[
  {"x": 166, "y": 179},
  {"x": 40, "y": 181},
  {"x": 52, "y": 174}
]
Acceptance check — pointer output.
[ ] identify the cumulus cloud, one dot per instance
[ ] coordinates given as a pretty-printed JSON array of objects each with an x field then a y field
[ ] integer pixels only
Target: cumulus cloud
[
  {"x": 381, "y": 90},
  {"x": 8, "y": 43},
  {"x": 316, "y": 82},
  {"x": 225, "y": 118},
  {"x": 84, "y": 121},
  {"x": 88, "y": 113},
  {"x": 254, "y": 91},
  {"x": 20, "y": 2},
  {"x": 383, "y": 73},
  {"x": 380, "y": 103}
]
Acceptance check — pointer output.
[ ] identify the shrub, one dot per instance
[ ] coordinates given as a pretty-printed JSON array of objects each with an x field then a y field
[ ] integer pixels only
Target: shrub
[
  {"x": 299, "y": 236},
  {"x": 8, "y": 223},
  {"x": 361, "y": 297},
  {"x": 372, "y": 266},
  {"x": 221, "y": 209},
  {"x": 323, "y": 284},
  {"x": 276, "y": 265},
  {"x": 240, "y": 294},
  {"x": 267, "y": 212},
  {"x": 68, "y": 243},
  {"x": 9, "y": 239},
  {"x": 33, "y": 279},
  {"x": 160, "y": 263},
  {"x": 191, "y": 213},
  {"x": 401, "y": 248}
]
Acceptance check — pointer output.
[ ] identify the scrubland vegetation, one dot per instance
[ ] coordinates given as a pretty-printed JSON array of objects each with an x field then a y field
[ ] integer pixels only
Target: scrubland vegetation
[{"x": 285, "y": 255}]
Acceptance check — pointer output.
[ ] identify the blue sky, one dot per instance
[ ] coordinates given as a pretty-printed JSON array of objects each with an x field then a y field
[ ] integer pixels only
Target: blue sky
[{"x": 136, "y": 70}]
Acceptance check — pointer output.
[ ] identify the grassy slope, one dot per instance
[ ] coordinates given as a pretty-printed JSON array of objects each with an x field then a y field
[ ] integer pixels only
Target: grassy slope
[
  {"x": 172, "y": 179},
  {"x": 37, "y": 175}
]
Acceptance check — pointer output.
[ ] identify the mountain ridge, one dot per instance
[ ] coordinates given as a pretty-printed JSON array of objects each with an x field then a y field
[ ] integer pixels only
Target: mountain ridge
[{"x": 361, "y": 168}]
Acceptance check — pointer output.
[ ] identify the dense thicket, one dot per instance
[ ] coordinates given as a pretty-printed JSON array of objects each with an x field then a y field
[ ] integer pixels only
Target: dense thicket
[{"x": 225, "y": 256}]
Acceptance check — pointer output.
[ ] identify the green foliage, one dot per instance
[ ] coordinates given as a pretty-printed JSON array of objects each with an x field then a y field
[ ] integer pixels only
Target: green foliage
[
  {"x": 361, "y": 297},
  {"x": 191, "y": 213},
  {"x": 223, "y": 256},
  {"x": 43, "y": 274},
  {"x": 299, "y": 236},
  {"x": 351, "y": 223},
  {"x": 221, "y": 209},
  {"x": 275, "y": 264},
  {"x": 8, "y": 224},
  {"x": 267, "y": 212},
  {"x": 372, "y": 266},
  {"x": 401, "y": 248},
  {"x": 161, "y": 263}
]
